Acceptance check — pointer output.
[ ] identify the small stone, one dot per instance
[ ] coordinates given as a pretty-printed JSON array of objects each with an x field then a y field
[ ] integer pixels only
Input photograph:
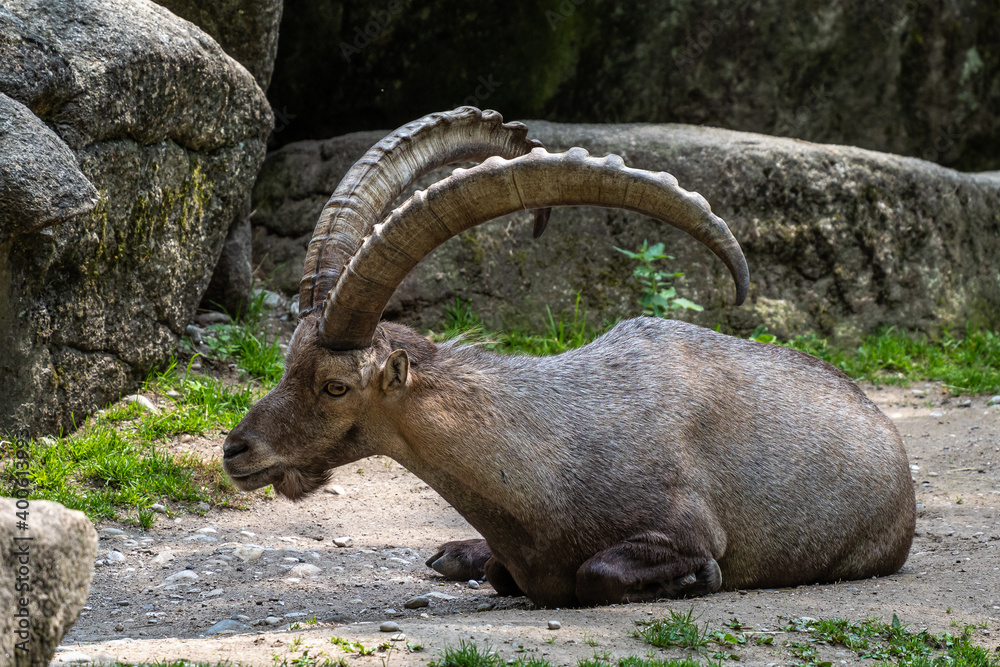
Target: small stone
[
  {"x": 417, "y": 602},
  {"x": 173, "y": 393},
  {"x": 111, "y": 532},
  {"x": 485, "y": 606},
  {"x": 304, "y": 570},
  {"x": 158, "y": 508},
  {"x": 472, "y": 583},
  {"x": 163, "y": 558},
  {"x": 115, "y": 557},
  {"x": 120, "y": 627},
  {"x": 937, "y": 414},
  {"x": 212, "y": 317},
  {"x": 206, "y": 530},
  {"x": 343, "y": 541},
  {"x": 248, "y": 553},
  {"x": 242, "y": 618},
  {"x": 142, "y": 402},
  {"x": 554, "y": 625},
  {"x": 204, "y": 507},
  {"x": 272, "y": 620},
  {"x": 72, "y": 658},
  {"x": 196, "y": 365},
  {"x": 994, "y": 400},
  {"x": 213, "y": 593},
  {"x": 183, "y": 575},
  {"x": 335, "y": 490},
  {"x": 200, "y": 538},
  {"x": 226, "y": 627},
  {"x": 185, "y": 438},
  {"x": 439, "y": 596},
  {"x": 965, "y": 403},
  {"x": 388, "y": 626}
]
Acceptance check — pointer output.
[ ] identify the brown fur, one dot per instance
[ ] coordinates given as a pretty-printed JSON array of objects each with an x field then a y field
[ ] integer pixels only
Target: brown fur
[{"x": 641, "y": 465}]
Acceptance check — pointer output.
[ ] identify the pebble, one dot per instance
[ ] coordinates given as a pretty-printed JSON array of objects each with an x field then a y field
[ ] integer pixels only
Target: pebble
[
  {"x": 158, "y": 508},
  {"x": 72, "y": 658},
  {"x": 204, "y": 507},
  {"x": 485, "y": 606},
  {"x": 305, "y": 570},
  {"x": 111, "y": 532},
  {"x": 120, "y": 627},
  {"x": 417, "y": 602},
  {"x": 335, "y": 490},
  {"x": 343, "y": 541},
  {"x": 554, "y": 625},
  {"x": 389, "y": 626},
  {"x": 439, "y": 596},
  {"x": 212, "y": 317},
  {"x": 994, "y": 400},
  {"x": 226, "y": 627},
  {"x": 937, "y": 414},
  {"x": 248, "y": 553},
  {"x": 206, "y": 530},
  {"x": 163, "y": 558},
  {"x": 173, "y": 393},
  {"x": 115, "y": 557},
  {"x": 213, "y": 593},
  {"x": 200, "y": 538},
  {"x": 472, "y": 583},
  {"x": 242, "y": 618},
  {"x": 143, "y": 402},
  {"x": 272, "y": 620},
  {"x": 182, "y": 575},
  {"x": 965, "y": 403}
]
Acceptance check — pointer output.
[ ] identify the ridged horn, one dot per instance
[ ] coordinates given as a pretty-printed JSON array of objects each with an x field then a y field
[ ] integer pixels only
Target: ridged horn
[
  {"x": 369, "y": 189},
  {"x": 497, "y": 187}
]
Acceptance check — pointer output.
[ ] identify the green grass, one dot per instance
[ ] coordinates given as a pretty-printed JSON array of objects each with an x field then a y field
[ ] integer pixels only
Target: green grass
[
  {"x": 968, "y": 364},
  {"x": 882, "y": 643},
  {"x": 118, "y": 463}
]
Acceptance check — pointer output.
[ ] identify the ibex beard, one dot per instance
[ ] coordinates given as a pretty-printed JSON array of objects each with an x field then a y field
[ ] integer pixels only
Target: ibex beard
[{"x": 661, "y": 460}]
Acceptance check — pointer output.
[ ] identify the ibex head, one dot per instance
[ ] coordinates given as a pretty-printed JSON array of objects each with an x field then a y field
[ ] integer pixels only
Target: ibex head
[{"x": 347, "y": 377}]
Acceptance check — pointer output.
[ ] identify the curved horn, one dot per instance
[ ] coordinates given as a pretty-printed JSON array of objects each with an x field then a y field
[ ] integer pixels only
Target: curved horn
[
  {"x": 497, "y": 187},
  {"x": 366, "y": 192}
]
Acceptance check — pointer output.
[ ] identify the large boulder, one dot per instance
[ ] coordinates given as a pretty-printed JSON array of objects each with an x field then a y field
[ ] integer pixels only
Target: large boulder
[
  {"x": 908, "y": 77},
  {"x": 839, "y": 240},
  {"x": 168, "y": 132},
  {"x": 248, "y": 31},
  {"x": 46, "y": 566}
]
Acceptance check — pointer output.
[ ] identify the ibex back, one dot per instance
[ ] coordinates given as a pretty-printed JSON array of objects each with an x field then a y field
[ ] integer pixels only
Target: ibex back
[{"x": 661, "y": 460}]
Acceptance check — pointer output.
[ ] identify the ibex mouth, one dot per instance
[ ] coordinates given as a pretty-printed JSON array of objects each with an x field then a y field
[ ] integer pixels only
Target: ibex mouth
[{"x": 255, "y": 480}]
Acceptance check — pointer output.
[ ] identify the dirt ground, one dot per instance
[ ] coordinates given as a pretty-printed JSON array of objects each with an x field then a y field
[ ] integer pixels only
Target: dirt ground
[{"x": 278, "y": 563}]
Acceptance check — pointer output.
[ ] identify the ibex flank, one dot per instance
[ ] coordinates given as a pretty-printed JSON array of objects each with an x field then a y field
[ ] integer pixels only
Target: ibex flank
[{"x": 661, "y": 460}]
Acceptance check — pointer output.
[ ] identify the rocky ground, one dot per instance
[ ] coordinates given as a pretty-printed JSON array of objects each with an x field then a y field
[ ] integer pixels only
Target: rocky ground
[{"x": 279, "y": 579}]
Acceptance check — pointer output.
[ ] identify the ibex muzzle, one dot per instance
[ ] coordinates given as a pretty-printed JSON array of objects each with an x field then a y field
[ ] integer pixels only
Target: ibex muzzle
[{"x": 661, "y": 460}]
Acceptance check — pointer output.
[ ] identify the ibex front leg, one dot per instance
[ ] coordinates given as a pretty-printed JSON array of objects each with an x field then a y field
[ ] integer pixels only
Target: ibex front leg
[
  {"x": 472, "y": 559},
  {"x": 643, "y": 568}
]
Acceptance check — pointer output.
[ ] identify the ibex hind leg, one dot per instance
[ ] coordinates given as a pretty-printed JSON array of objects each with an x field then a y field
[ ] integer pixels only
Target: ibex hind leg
[
  {"x": 645, "y": 568},
  {"x": 461, "y": 560}
]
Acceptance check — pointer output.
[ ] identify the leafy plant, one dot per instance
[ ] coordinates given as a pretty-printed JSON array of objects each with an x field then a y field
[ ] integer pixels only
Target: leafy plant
[
  {"x": 679, "y": 630},
  {"x": 659, "y": 296}
]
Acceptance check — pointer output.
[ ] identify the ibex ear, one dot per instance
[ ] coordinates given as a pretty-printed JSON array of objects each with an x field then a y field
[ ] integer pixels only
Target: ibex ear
[{"x": 395, "y": 372}]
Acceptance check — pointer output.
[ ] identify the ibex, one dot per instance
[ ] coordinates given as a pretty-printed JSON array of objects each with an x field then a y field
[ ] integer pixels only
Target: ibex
[{"x": 661, "y": 460}]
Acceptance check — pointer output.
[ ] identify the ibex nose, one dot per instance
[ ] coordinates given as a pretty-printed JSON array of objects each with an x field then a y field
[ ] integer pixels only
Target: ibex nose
[{"x": 233, "y": 447}]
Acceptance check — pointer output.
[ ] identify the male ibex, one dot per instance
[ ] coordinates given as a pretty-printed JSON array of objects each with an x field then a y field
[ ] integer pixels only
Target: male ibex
[{"x": 661, "y": 460}]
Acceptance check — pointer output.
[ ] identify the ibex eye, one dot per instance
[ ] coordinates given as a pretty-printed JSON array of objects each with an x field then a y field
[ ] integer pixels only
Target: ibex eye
[{"x": 336, "y": 388}]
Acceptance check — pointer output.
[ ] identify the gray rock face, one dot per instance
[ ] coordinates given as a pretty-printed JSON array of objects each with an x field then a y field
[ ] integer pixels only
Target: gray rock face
[
  {"x": 245, "y": 29},
  {"x": 58, "y": 561},
  {"x": 170, "y": 132},
  {"x": 913, "y": 78},
  {"x": 248, "y": 31},
  {"x": 839, "y": 240},
  {"x": 40, "y": 182}
]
